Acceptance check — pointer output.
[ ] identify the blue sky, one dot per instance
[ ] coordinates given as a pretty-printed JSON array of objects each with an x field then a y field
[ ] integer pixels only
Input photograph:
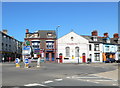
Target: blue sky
[{"x": 82, "y": 17}]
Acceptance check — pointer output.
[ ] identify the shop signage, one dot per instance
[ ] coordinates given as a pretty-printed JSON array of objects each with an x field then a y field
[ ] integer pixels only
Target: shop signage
[{"x": 37, "y": 51}]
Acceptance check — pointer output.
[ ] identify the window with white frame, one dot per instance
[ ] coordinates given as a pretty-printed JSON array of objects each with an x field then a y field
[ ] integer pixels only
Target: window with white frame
[
  {"x": 50, "y": 44},
  {"x": 107, "y": 48},
  {"x": 49, "y": 35},
  {"x": 96, "y": 47},
  {"x": 76, "y": 51},
  {"x": 97, "y": 56},
  {"x": 94, "y": 38},
  {"x": 67, "y": 51},
  {"x": 35, "y": 44}
]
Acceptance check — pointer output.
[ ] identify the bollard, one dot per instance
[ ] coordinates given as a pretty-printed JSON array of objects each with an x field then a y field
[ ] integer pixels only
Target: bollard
[
  {"x": 17, "y": 65},
  {"x": 17, "y": 62},
  {"x": 26, "y": 63}
]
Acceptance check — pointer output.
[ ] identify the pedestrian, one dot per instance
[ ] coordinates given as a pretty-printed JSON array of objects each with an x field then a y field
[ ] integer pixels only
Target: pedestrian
[
  {"x": 9, "y": 59},
  {"x": 3, "y": 60},
  {"x": 38, "y": 62}
]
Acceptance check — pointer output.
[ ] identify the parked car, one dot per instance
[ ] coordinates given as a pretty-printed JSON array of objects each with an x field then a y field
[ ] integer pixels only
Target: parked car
[
  {"x": 110, "y": 60},
  {"x": 118, "y": 61}
]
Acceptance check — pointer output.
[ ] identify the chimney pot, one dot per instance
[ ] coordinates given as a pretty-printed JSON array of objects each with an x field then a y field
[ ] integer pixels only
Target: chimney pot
[
  {"x": 94, "y": 33},
  {"x": 106, "y": 34},
  {"x": 116, "y": 35},
  {"x": 4, "y": 31},
  {"x": 27, "y": 30}
]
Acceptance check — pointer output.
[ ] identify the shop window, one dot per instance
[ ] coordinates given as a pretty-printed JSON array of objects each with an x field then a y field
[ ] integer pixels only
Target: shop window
[
  {"x": 97, "y": 56},
  {"x": 67, "y": 51},
  {"x": 50, "y": 44},
  {"x": 96, "y": 47},
  {"x": 76, "y": 51}
]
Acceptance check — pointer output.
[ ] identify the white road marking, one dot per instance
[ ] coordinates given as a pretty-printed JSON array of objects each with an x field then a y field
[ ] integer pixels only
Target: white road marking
[
  {"x": 105, "y": 80},
  {"x": 68, "y": 77},
  {"x": 48, "y": 81},
  {"x": 102, "y": 76},
  {"x": 96, "y": 82},
  {"x": 86, "y": 77},
  {"x": 35, "y": 84},
  {"x": 87, "y": 80},
  {"x": 58, "y": 79},
  {"x": 114, "y": 84}
]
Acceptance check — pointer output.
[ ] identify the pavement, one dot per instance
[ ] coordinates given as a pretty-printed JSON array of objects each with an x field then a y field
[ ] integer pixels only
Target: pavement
[{"x": 53, "y": 74}]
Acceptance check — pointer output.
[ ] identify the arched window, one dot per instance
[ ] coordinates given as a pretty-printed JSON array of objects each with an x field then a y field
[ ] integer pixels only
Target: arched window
[
  {"x": 67, "y": 51},
  {"x": 76, "y": 51}
]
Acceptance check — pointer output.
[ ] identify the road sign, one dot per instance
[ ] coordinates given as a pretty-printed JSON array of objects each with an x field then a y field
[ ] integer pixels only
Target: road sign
[
  {"x": 17, "y": 62},
  {"x": 26, "y": 61},
  {"x": 26, "y": 50}
]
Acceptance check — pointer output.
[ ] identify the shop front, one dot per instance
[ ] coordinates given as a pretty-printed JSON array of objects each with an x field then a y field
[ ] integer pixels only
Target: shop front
[{"x": 50, "y": 55}]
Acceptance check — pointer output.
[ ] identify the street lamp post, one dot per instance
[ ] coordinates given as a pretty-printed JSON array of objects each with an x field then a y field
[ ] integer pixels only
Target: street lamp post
[{"x": 57, "y": 39}]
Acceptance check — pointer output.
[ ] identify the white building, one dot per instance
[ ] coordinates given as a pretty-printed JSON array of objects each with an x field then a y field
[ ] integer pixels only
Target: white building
[
  {"x": 76, "y": 48},
  {"x": 73, "y": 48}
]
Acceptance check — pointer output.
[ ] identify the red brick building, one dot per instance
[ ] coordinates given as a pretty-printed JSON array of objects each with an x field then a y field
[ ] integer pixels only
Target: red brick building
[{"x": 43, "y": 43}]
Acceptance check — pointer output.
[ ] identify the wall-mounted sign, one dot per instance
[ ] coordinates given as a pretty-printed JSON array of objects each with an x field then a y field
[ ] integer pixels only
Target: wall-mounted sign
[
  {"x": 36, "y": 51},
  {"x": 72, "y": 43}
]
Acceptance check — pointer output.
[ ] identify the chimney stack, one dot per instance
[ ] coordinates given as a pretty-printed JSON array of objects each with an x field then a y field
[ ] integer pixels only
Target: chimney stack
[
  {"x": 27, "y": 30},
  {"x": 106, "y": 34},
  {"x": 116, "y": 35},
  {"x": 4, "y": 31},
  {"x": 94, "y": 33}
]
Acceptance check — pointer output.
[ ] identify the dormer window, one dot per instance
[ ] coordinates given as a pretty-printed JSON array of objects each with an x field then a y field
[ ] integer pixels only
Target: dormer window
[
  {"x": 35, "y": 35},
  {"x": 49, "y": 35},
  {"x": 94, "y": 38},
  {"x": 108, "y": 41}
]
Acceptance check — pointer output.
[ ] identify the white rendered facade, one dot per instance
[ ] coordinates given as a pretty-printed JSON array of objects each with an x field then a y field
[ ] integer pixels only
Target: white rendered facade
[{"x": 73, "y": 40}]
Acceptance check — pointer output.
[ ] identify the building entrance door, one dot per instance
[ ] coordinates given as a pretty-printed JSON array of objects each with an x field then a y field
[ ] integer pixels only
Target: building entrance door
[
  {"x": 53, "y": 58},
  {"x": 84, "y": 58},
  {"x": 60, "y": 56},
  {"x": 47, "y": 56}
]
